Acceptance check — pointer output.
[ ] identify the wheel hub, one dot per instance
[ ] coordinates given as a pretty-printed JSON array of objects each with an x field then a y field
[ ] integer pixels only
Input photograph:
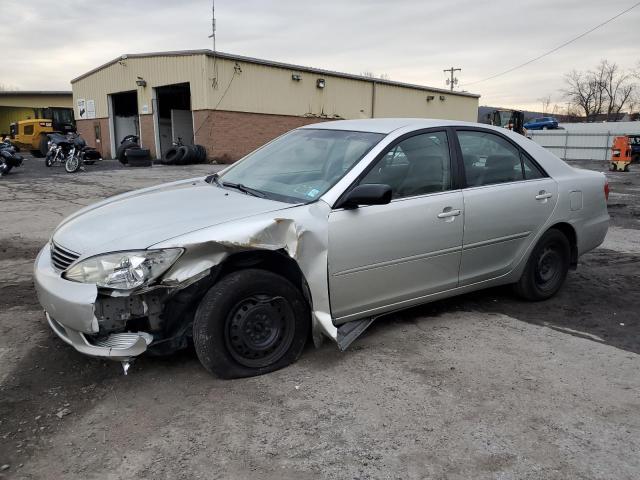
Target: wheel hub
[
  {"x": 259, "y": 330},
  {"x": 548, "y": 265}
]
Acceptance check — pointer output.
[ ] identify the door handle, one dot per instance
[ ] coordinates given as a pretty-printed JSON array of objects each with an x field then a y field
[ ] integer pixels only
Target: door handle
[
  {"x": 448, "y": 213},
  {"x": 542, "y": 195}
]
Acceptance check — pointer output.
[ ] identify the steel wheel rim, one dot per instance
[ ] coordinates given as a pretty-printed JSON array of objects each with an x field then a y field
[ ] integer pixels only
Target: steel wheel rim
[
  {"x": 548, "y": 268},
  {"x": 259, "y": 330}
]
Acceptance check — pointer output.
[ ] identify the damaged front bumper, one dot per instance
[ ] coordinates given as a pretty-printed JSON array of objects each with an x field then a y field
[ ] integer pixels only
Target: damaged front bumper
[
  {"x": 69, "y": 308},
  {"x": 117, "y": 346}
]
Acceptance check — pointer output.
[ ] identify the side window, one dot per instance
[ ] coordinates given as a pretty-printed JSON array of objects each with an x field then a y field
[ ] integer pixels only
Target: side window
[
  {"x": 28, "y": 129},
  {"x": 415, "y": 166},
  {"x": 531, "y": 170},
  {"x": 489, "y": 159}
]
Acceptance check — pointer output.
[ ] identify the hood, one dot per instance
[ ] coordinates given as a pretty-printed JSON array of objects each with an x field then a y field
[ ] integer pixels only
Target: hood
[{"x": 142, "y": 218}]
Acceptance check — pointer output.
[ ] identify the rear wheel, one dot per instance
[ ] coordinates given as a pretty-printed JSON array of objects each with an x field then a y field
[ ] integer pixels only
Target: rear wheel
[
  {"x": 250, "y": 323},
  {"x": 613, "y": 167},
  {"x": 546, "y": 268}
]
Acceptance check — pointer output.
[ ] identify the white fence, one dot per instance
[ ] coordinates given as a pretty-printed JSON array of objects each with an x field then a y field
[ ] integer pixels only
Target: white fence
[{"x": 583, "y": 141}]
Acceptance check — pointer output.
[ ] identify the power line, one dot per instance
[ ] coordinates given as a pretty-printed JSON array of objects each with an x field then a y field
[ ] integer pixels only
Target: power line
[{"x": 556, "y": 48}]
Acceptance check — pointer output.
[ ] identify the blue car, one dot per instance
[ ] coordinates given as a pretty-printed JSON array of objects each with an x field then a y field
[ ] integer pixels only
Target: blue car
[{"x": 544, "y": 123}]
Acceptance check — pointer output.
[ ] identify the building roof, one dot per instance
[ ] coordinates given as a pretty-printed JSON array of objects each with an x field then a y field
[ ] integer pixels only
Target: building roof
[
  {"x": 271, "y": 63},
  {"x": 34, "y": 92}
]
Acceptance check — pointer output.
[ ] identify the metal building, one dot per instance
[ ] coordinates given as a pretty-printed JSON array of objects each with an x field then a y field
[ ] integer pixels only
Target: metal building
[
  {"x": 232, "y": 104},
  {"x": 22, "y": 105}
]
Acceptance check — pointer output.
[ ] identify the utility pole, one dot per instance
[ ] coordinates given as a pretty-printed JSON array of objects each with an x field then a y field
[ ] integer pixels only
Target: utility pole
[{"x": 453, "y": 81}]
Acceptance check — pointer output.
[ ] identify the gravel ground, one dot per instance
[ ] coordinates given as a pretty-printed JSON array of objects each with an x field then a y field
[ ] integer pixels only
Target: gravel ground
[{"x": 480, "y": 386}]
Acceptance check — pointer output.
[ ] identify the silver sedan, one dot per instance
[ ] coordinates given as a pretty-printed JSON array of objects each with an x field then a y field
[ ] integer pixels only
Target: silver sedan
[{"x": 315, "y": 235}]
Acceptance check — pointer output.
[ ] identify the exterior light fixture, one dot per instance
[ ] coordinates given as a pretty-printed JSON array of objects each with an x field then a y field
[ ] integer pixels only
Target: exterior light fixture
[
  {"x": 141, "y": 82},
  {"x": 320, "y": 83},
  {"x": 296, "y": 77},
  {"x": 430, "y": 98}
]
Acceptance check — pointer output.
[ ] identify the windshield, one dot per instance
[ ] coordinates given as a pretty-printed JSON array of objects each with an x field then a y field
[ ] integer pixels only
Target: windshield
[{"x": 301, "y": 165}]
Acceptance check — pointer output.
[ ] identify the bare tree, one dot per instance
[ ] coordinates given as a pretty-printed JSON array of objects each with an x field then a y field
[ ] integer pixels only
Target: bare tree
[
  {"x": 607, "y": 89},
  {"x": 546, "y": 103},
  {"x": 618, "y": 88},
  {"x": 582, "y": 91}
]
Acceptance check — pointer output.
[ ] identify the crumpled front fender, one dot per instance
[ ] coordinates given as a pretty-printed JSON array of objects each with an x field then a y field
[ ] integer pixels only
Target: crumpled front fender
[{"x": 301, "y": 232}]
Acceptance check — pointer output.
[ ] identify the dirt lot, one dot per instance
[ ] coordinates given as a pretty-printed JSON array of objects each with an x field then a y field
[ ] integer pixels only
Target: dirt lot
[{"x": 481, "y": 386}]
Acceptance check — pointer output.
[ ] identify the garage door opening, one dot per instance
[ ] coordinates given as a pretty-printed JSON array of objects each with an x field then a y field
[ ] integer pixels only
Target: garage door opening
[
  {"x": 124, "y": 115},
  {"x": 175, "y": 120}
]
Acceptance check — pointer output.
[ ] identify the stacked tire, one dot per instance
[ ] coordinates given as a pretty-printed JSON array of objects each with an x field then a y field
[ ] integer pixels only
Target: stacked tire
[
  {"x": 185, "y": 155},
  {"x": 138, "y": 157},
  {"x": 122, "y": 150}
]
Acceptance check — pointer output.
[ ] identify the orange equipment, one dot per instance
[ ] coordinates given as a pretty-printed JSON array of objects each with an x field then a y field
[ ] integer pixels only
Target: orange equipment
[{"x": 625, "y": 151}]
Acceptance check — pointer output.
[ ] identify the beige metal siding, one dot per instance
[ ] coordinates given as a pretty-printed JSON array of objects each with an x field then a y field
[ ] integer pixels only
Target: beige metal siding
[
  {"x": 393, "y": 101},
  {"x": 157, "y": 71},
  {"x": 36, "y": 101},
  {"x": 265, "y": 89},
  {"x": 268, "y": 89}
]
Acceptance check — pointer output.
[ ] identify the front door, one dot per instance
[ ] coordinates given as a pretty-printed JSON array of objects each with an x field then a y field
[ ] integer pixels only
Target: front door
[{"x": 383, "y": 257}]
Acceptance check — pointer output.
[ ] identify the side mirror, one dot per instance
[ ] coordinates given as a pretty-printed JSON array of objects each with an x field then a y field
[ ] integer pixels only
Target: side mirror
[{"x": 368, "y": 194}]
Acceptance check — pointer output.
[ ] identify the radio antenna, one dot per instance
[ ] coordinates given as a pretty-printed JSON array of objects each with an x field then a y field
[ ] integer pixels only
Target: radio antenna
[
  {"x": 213, "y": 24},
  {"x": 213, "y": 37}
]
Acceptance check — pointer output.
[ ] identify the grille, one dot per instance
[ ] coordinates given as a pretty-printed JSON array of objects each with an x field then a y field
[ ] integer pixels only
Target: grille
[{"x": 62, "y": 257}]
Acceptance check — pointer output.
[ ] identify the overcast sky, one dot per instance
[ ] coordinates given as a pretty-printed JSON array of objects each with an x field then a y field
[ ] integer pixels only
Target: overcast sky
[{"x": 46, "y": 43}]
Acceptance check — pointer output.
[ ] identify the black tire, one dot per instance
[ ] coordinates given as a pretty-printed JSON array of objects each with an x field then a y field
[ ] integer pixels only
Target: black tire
[
  {"x": 626, "y": 168},
  {"x": 184, "y": 155},
  {"x": 201, "y": 153},
  {"x": 250, "y": 323},
  {"x": 546, "y": 268},
  {"x": 43, "y": 147},
  {"x": 170, "y": 156},
  {"x": 137, "y": 153},
  {"x": 72, "y": 165},
  {"x": 122, "y": 148},
  {"x": 613, "y": 167}
]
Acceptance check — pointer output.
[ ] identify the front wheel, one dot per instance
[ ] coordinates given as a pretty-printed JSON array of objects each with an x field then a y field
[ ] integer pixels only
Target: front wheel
[
  {"x": 250, "y": 323},
  {"x": 72, "y": 164},
  {"x": 546, "y": 268}
]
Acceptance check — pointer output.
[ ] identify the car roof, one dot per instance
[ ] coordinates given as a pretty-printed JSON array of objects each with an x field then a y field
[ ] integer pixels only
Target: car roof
[{"x": 387, "y": 125}]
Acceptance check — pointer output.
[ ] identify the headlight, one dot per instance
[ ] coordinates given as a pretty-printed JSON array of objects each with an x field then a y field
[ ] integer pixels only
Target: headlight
[{"x": 123, "y": 270}]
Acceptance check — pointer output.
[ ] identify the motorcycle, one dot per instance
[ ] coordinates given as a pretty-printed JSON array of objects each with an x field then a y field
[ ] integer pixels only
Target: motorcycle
[
  {"x": 8, "y": 157},
  {"x": 70, "y": 150}
]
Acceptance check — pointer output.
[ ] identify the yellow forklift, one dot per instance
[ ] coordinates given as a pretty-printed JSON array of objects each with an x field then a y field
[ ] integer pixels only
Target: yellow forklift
[
  {"x": 32, "y": 134},
  {"x": 509, "y": 119}
]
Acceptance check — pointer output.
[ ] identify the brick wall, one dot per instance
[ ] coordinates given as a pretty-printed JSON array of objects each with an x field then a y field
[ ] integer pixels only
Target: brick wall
[
  {"x": 147, "y": 134},
  {"x": 231, "y": 135},
  {"x": 86, "y": 128}
]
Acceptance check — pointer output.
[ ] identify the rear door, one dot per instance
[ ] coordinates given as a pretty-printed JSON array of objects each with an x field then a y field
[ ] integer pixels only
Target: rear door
[{"x": 508, "y": 198}]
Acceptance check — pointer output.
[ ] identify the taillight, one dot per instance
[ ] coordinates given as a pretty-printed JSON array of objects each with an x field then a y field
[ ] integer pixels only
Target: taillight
[{"x": 606, "y": 189}]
